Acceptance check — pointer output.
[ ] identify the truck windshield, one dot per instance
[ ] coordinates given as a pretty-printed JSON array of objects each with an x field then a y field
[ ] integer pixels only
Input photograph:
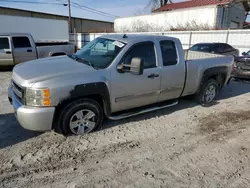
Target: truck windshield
[{"x": 99, "y": 53}]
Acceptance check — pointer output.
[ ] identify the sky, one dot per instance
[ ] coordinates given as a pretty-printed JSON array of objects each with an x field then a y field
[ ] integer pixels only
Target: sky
[{"x": 120, "y": 8}]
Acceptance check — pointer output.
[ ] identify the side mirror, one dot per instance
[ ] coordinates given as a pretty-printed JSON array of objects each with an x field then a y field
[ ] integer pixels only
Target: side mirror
[
  {"x": 244, "y": 53},
  {"x": 136, "y": 67}
]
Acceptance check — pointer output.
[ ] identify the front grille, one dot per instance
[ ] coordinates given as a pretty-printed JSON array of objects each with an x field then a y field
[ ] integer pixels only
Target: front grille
[{"x": 18, "y": 91}]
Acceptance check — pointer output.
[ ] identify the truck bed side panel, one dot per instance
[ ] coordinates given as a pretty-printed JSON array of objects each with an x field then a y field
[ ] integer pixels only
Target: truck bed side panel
[
  {"x": 196, "y": 69},
  {"x": 47, "y": 51}
]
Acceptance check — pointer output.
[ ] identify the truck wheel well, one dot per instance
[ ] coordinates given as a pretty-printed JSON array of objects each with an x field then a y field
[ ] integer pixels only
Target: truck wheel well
[
  {"x": 220, "y": 78},
  {"x": 98, "y": 98},
  {"x": 58, "y": 54}
]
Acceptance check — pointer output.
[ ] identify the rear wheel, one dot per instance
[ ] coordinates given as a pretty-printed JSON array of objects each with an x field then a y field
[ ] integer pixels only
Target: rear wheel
[
  {"x": 80, "y": 117},
  {"x": 208, "y": 92}
]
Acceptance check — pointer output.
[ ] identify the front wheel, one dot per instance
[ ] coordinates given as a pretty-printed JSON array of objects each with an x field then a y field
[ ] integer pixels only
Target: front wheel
[
  {"x": 208, "y": 92},
  {"x": 80, "y": 117}
]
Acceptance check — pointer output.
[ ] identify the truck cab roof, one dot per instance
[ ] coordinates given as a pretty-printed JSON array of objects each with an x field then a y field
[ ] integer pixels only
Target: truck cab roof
[{"x": 127, "y": 38}]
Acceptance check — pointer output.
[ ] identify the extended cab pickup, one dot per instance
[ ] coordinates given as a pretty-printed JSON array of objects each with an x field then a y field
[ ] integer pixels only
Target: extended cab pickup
[
  {"x": 20, "y": 47},
  {"x": 114, "y": 76}
]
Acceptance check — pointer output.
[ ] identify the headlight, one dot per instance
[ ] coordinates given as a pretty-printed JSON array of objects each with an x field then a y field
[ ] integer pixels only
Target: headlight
[{"x": 38, "y": 97}]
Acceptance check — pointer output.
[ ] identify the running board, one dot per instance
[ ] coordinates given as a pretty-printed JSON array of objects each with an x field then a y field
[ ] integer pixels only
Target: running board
[{"x": 142, "y": 111}]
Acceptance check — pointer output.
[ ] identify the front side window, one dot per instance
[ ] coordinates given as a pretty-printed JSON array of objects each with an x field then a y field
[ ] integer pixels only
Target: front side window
[
  {"x": 21, "y": 42},
  {"x": 4, "y": 43},
  {"x": 144, "y": 51},
  {"x": 169, "y": 53},
  {"x": 100, "y": 52}
]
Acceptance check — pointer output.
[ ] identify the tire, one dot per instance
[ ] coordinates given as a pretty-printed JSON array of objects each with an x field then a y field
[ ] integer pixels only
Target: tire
[
  {"x": 80, "y": 117},
  {"x": 208, "y": 92}
]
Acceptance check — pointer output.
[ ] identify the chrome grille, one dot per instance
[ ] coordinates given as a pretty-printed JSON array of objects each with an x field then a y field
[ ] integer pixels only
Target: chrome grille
[{"x": 18, "y": 91}]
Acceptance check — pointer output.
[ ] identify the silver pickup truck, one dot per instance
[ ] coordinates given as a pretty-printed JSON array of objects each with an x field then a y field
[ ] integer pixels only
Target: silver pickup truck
[
  {"x": 20, "y": 47},
  {"x": 114, "y": 76}
]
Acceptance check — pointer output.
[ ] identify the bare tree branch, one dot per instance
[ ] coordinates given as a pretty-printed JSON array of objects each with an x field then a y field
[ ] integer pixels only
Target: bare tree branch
[{"x": 154, "y": 4}]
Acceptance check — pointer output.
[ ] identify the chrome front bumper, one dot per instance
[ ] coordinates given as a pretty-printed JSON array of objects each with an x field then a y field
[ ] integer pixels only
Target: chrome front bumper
[{"x": 32, "y": 118}]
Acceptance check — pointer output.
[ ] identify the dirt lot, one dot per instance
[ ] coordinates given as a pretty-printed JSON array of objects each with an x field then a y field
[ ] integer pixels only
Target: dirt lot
[{"x": 184, "y": 146}]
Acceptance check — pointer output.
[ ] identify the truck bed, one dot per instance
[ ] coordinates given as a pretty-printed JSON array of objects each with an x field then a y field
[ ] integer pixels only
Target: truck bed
[
  {"x": 192, "y": 55},
  {"x": 197, "y": 63}
]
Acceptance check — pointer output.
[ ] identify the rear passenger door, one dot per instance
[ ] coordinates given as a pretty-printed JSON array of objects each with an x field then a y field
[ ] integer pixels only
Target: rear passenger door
[
  {"x": 5, "y": 51},
  {"x": 22, "y": 49},
  {"x": 173, "y": 71}
]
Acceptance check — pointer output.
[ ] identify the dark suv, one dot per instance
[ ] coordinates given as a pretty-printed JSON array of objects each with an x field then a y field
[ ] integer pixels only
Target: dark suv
[{"x": 217, "y": 48}]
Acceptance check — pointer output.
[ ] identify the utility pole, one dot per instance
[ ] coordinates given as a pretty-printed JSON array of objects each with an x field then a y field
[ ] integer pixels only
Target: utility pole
[{"x": 69, "y": 16}]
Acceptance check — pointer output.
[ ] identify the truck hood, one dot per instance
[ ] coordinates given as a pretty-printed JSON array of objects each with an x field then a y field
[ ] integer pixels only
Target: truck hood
[{"x": 47, "y": 68}]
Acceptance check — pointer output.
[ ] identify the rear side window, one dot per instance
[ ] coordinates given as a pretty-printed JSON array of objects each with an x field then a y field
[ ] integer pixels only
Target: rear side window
[
  {"x": 229, "y": 47},
  {"x": 21, "y": 42},
  {"x": 4, "y": 43},
  {"x": 169, "y": 53},
  {"x": 145, "y": 51}
]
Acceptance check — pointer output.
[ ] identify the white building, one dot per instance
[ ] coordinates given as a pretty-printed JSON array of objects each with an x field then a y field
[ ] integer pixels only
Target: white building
[{"x": 188, "y": 15}]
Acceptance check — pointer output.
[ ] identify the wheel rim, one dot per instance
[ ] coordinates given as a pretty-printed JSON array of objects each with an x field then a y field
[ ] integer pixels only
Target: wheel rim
[
  {"x": 82, "y": 122},
  {"x": 210, "y": 93}
]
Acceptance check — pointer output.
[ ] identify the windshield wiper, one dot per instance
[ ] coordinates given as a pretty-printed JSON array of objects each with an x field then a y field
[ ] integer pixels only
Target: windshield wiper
[{"x": 86, "y": 61}]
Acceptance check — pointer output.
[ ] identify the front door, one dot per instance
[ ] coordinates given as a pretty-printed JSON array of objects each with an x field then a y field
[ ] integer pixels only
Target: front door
[
  {"x": 131, "y": 91},
  {"x": 6, "y": 57},
  {"x": 22, "y": 49}
]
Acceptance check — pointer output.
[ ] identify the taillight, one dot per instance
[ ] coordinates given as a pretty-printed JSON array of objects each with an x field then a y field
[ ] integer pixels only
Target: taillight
[
  {"x": 233, "y": 67},
  {"x": 76, "y": 49}
]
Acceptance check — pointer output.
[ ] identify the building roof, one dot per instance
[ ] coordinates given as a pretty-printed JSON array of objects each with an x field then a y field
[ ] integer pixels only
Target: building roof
[
  {"x": 51, "y": 14},
  {"x": 191, "y": 3}
]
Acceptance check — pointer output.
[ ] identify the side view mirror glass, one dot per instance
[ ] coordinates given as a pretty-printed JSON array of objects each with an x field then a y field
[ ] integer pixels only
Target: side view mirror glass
[{"x": 136, "y": 67}]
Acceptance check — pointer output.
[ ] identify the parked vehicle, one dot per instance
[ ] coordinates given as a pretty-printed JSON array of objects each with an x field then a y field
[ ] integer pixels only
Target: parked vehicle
[
  {"x": 45, "y": 38},
  {"x": 216, "y": 48},
  {"x": 113, "y": 76},
  {"x": 19, "y": 48},
  {"x": 242, "y": 67}
]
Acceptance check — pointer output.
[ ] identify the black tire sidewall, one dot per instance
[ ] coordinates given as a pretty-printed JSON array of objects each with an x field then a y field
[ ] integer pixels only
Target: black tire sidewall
[
  {"x": 203, "y": 89},
  {"x": 72, "y": 108}
]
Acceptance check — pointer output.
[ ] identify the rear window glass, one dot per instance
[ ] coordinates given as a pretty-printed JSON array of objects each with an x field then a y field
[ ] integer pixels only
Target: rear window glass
[
  {"x": 202, "y": 47},
  {"x": 4, "y": 43},
  {"x": 21, "y": 42}
]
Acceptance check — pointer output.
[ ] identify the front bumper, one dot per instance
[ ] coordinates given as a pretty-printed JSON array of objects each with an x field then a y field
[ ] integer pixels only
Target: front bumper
[{"x": 32, "y": 118}]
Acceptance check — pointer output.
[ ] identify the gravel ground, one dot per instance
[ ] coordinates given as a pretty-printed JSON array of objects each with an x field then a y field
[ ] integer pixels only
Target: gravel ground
[{"x": 183, "y": 146}]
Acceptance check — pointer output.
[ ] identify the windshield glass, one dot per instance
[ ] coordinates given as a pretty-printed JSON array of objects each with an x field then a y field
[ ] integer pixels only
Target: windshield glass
[
  {"x": 202, "y": 47},
  {"x": 100, "y": 52},
  {"x": 248, "y": 53}
]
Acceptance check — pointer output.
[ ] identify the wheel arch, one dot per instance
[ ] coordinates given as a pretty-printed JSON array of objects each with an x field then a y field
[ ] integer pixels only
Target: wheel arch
[
  {"x": 97, "y": 91},
  {"x": 57, "y": 54},
  {"x": 217, "y": 73}
]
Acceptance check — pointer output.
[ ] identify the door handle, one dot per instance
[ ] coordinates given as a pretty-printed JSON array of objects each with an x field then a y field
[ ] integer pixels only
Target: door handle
[
  {"x": 8, "y": 52},
  {"x": 29, "y": 50},
  {"x": 153, "y": 75}
]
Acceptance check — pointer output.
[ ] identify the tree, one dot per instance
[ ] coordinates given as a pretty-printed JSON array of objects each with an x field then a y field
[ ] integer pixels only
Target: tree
[
  {"x": 154, "y": 4},
  {"x": 159, "y": 2}
]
